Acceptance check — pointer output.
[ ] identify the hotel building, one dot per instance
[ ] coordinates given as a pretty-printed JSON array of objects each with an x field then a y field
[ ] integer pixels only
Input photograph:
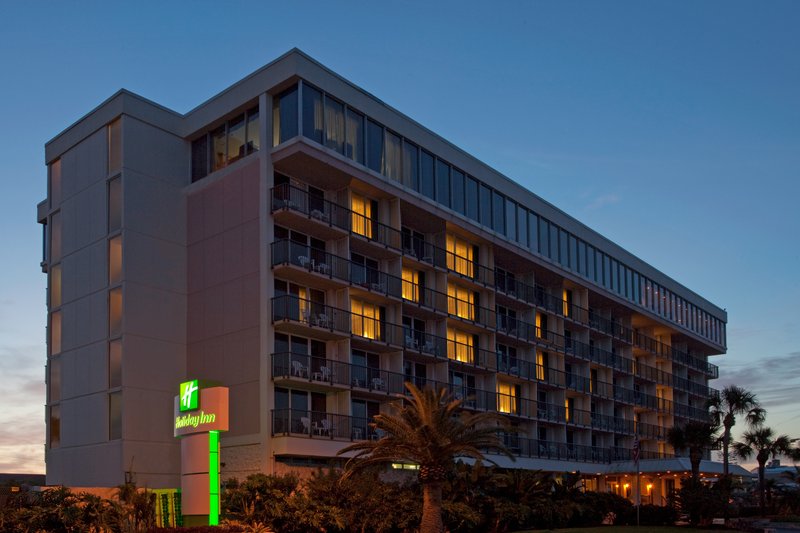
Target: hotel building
[{"x": 301, "y": 242}]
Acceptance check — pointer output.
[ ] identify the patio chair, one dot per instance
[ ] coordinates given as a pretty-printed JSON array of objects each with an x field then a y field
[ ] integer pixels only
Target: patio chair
[{"x": 298, "y": 369}]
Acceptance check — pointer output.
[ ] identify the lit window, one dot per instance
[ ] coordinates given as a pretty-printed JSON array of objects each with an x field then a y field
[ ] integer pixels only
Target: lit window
[
  {"x": 302, "y": 300},
  {"x": 567, "y": 298},
  {"x": 115, "y": 312},
  {"x": 115, "y": 260},
  {"x": 115, "y": 416},
  {"x": 569, "y": 405},
  {"x": 410, "y": 285},
  {"x": 54, "y": 381},
  {"x": 506, "y": 397},
  {"x": 55, "y": 183},
  {"x": 366, "y": 319},
  {"x": 460, "y": 256},
  {"x": 55, "y": 333},
  {"x": 541, "y": 366},
  {"x": 460, "y": 302},
  {"x": 55, "y": 286},
  {"x": 55, "y": 426},
  {"x": 362, "y": 216},
  {"x": 115, "y": 146},
  {"x": 460, "y": 346}
]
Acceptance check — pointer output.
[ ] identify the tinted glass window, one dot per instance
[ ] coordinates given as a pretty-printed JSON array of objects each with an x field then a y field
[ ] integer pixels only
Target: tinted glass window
[
  {"x": 471, "y": 197},
  {"x": 553, "y": 242},
  {"x": 426, "y": 184},
  {"x": 486, "y": 206},
  {"x": 511, "y": 219},
  {"x": 442, "y": 183},
  {"x": 457, "y": 187},
  {"x": 236, "y": 140},
  {"x": 411, "y": 165},
  {"x": 334, "y": 125},
  {"x": 563, "y": 247},
  {"x": 200, "y": 158},
  {"x": 498, "y": 212},
  {"x": 394, "y": 156},
  {"x": 253, "y": 133},
  {"x": 312, "y": 113},
  {"x": 218, "y": 148},
  {"x": 285, "y": 116},
  {"x": 544, "y": 237},
  {"x": 522, "y": 225},
  {"x": 374, "y": 146},
  {"x": 533, "y": 231},
  {"x": 354, "y": 146}
]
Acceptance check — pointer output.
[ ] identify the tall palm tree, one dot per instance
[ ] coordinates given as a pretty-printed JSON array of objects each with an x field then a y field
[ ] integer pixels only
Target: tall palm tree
[
  {"x": 733, "y": 401},
  {"x": 697, "y": 436},
  {"x": 430, "y": 430},
  {"x": 762, "y": 443}
]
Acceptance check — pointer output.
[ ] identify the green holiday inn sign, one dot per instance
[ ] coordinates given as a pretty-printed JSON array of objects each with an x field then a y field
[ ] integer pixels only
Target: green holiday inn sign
[{"x": 189, "y": 396}]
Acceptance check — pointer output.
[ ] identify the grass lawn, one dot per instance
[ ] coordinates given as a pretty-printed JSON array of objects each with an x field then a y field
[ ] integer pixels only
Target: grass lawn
[{"x": 622, "y": 529}]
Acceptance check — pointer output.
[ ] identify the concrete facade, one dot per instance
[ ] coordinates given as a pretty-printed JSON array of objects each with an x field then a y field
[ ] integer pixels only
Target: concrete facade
[{"x": 314, "y": 273}]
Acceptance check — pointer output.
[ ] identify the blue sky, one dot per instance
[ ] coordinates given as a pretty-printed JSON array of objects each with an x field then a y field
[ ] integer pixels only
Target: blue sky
[{"x": 672, "y": 128}]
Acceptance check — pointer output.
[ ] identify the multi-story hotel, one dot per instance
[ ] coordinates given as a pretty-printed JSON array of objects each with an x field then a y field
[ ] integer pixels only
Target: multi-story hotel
[{"x": 299, "y": 241}]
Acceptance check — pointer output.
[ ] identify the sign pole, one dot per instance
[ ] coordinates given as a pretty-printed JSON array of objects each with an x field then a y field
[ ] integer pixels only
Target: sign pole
[{"x": 638, "y": 478}]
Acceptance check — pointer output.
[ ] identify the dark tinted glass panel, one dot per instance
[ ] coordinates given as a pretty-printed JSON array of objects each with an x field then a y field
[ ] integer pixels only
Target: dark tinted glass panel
[
  {"x": 498, "y": 212},
  {"x": 253, "y": 133},
  {"x": 218, "y": 148},
  {"x": 411, "y": 165},
  {"x": 533, "y": 231},
  {"x": 573, "y": 253},
  {"x": 442, "y": 182},
  {"x": 334, "y": 125},
  {"x": 544, "y": 237},
  {"x": 582, "y": 257},
  {"x": 553, "y": 242},
  {"x": 354, "y": 146},
  {"x": 522, "y": 226},
  {"x": 312, "y": 113},
  {"x": 426, "y": 183},
  {"x": 606, "y": 271},
  {"x": 236, "y": 138},
  {"x": 200, "y": 158},
  {"x": 486, "y": 206},
  {"x": 285, "y": 116},
  {"x": 394, "y": 156},
  {"x": 457, "y": 185},
  {"x": 471, "y": 197},
  {"x": 614, "y": 275},
  {"x": 511, "y": 219},
  {"x": 374, "y": 146},
  {"x": 563, "y": 241},
  {"x": 590, "y": 263},
  {"x": 114, "y": 209}
]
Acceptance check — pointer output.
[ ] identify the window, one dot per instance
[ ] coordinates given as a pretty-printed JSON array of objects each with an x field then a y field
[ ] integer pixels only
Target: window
[
  {"x": 573, "y": 253},
  {"x": 366, "y": 319},
  {"x": 427, "y": 181},
  {"x": 460, "y": 256},
  {"x": 485, "y": 206},
  {"x": 374, "y": 146},
  {"x": 471, "y": 195},
  {"x": 114, "y": 205},
  {"x": 218, "y": 149},
  {"x": 55, "y": 286},
  {"x": 115, "y": 364},
  {"x": 554, "y": 242},
  {"x": 284, "y": 116},
  {"x": 55, "y": 237},
  {"x": 507, "y": 395},
  {"x": 114, "y": 146},
  {"x": 410, "y": 165},
  {"x": 410, "y": 285},
  {"x": 200, "y": 158},
  {"x": 55, "y": 426},
  {"x": 115, "y": 415},
  {"x": 55, "y": 183},
  {"x": 115, "y": 260},
  {"x": 362, "y": 215},
  {"x": 541, "y": 325},
  {"x": 567, "y": 302},
  {"x": 460, "y": 302},
  {"x": 460, "y": 346},
  {"x": 55, "y": 332},
  {"x": 115, "y": 312},
  {"x": 394, "y": 156},
  {"x": 498, "y": 212},
  {"x": 312, "y": 113},
  {"x": 442, "y": 183},
  {"x": 54, "y": 380},
  {"x": 457, "y": 196},
  {"x": 533, "y": 232},
  {"x": 569, "y": 407},
  {"x": 563, "y": 253},
  {"x": 354, "y": 144},
  {"x": 511, "y": 219},
  {"x": 236, "y": 139},
  {"x": 522, "y": 226},
  {"x": 253, "y": 132},
  {"x": 334, "y": 125}
]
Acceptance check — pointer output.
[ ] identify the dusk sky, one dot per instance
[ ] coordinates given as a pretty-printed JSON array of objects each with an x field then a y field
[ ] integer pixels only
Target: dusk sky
[{"x": 672, "y": 128}]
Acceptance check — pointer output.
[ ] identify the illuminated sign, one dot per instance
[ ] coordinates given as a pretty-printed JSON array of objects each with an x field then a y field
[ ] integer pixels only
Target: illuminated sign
[{"x": 189, "y": 395}]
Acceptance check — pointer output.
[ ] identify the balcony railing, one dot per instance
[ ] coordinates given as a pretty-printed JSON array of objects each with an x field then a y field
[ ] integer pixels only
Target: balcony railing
[
  {"x": 321, "y": 425},
  {"x": 293, "y": 198},
  {"x": 559, "y": 451}
]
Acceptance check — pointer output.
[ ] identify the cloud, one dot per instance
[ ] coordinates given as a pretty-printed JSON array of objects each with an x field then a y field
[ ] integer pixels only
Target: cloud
[
  {"x": 598, "y": 202},
  {"x": 774, "y": 379}
]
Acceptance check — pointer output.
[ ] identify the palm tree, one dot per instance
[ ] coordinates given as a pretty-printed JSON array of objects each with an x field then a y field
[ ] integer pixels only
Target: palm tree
[
  {"x": 695, "y": 435},
  {"x": 762, "y": 443},
  {"x": 733, "y": 401},
  {"x": 431, "y": 430}
]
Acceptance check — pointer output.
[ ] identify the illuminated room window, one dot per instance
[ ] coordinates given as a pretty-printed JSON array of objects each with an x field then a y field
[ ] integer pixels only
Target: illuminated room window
[
  {"x": 366, "y": 319},
  {"x": 506, "y": 397},
  {"x": 410, "y": 285},
  {"x": 460, "y": 302},
  {"x": 569, "y": 409},
  {"x": 567, "y": 297},
  {"x": 541, "y": 325},
  {"x": 55, "y": 286},
  {"x": 460, "y": 346},
  {"x": 55, "y": 237},
  {"x": 55, "y": 333},
  {"x": 55, "y": 183},
  {"x": 541, "y": 365},
  {"x": 115, "y": 146},
  {"x": 460, "y": 256},
  {"x": 115, "y": 260},
  {"x": 114, "y": 204},
  {"x": 362, "y": 215}
]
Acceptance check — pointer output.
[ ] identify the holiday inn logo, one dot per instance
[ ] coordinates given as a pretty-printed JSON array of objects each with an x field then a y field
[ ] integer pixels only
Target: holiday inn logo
[{"x": 189, "y": 395}]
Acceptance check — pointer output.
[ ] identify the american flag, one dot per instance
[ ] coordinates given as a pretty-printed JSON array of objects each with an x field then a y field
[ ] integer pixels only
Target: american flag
[{"x": 635, "y": 453}]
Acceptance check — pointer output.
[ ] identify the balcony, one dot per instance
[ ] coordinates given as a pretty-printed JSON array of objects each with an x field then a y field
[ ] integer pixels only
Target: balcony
[
  {"x": 558, "y": 451},
  {"x": 295, "y": 314},
  {"x": 324, "y": 213},
  {"x": 321, "y": 425}
]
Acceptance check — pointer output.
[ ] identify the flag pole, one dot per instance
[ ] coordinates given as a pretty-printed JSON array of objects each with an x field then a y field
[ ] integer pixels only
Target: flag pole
[{"x": 638, "y": 480}]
